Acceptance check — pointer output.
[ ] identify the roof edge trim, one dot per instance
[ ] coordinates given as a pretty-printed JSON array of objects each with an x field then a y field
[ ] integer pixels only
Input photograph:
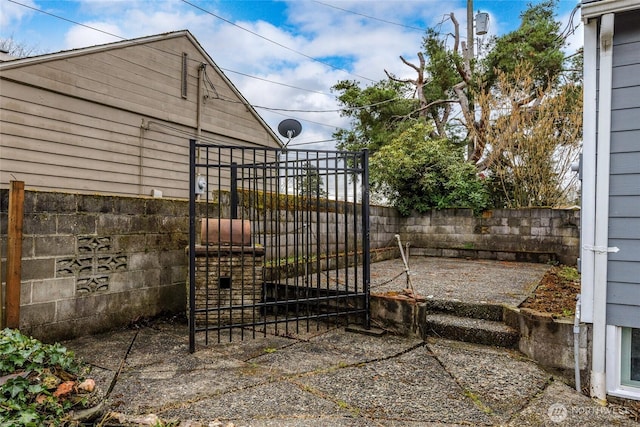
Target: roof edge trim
[
  {"x": 19, "y": 62},
  {"x": 598, "y": 8}
]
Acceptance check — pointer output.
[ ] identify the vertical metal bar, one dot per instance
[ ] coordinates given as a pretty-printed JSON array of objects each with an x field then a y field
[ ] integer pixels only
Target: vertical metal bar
[
  {"x": 233, "y": 176},
  {"x": 242, "y": 254},
  {"x": 297, "y": 224},
  {"x": 336, "y": 236},
  {"x": 354, "y": 208},
  {"x": 218, "y": 251},
  {"x": 366, "y": 230},
  {"x": 192, "y": 245},
  {"x": 206, "y": 216},
  {"x": 234, "y": 188},
  {"x": 345, "y": 210},
  {"x": 267, "y": 195},
  {"x": 318, "y": 177},
  {"x": 291, "y": 202},
  {"x": 253, "y": 214},
  {"x": 275, "y": 261}
]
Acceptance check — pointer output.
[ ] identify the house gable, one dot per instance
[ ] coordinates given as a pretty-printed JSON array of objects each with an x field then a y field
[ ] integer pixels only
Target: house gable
[{"x": 117, "y": 118}]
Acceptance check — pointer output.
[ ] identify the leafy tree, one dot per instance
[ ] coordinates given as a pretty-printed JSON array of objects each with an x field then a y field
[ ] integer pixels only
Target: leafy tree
[
  {"x": 417, "y": 172},
  {"x": 449, "y": 81},
  {"x": 532, "y": 144},
  {"x": 309, "y": 182},
  {"x": 536, "y": 44},
  {"x": 377, "y": 112}
]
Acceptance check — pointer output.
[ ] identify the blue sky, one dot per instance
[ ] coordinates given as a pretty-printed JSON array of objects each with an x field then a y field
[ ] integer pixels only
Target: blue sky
[{"x": 262, "y": 43}]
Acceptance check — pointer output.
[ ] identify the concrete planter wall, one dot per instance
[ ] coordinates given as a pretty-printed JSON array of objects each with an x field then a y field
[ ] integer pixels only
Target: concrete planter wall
[{"x": 550, "y": 341}]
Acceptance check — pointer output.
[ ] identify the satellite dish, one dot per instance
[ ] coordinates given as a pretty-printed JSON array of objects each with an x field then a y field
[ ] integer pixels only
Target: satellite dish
[{"x": 289, "y": 128}]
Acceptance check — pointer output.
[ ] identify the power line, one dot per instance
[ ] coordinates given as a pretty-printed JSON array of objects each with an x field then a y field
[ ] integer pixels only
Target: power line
[
  {"x": 276, "y": 83},
  {"x": 330, "y": 111},
  {"x": 191, "y": 59},
  {"x": 371, "y": 17},
  {"x": 288, "y": 110},
  {"x": 67, "y": 20},
  {"x": 275, "y": 42},
  {"x": 212, "y": 140}
]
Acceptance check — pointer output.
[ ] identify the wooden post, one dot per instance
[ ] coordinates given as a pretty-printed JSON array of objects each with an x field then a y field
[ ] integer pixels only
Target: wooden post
[{"x": 14, "y": 253}]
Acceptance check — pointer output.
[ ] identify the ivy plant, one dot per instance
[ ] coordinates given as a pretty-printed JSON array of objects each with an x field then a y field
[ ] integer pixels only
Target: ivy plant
[{"x": 28, "y": 376}]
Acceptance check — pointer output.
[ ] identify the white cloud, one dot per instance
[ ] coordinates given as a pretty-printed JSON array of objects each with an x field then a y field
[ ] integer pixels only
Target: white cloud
[
  {"x": 11, "y": 14},
  {"x": 79, "y": 36}
]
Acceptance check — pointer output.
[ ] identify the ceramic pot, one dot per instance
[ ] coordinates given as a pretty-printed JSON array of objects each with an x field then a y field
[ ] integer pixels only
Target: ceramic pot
[{"x": 225, "y": 231}]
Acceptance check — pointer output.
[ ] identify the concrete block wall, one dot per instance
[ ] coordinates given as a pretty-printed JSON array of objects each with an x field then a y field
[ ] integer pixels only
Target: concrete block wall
[
  {"x": 535, "y": 234},
  {"x": 91, "y": 263},
  {"x": 329, "y": 227}
]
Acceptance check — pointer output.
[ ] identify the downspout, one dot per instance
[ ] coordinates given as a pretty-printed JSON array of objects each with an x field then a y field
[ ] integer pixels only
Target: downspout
[
  {"x": 200, "y": 106},
  {"x": 143, "y": 127},
  {"x": 600, "y": 248},
  {"x": 576, "y": 344}
]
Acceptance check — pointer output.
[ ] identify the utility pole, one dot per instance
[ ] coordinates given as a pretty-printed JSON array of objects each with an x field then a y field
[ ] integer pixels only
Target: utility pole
[
  {"x": 471, "y": 145},
  {"x": 470, "y": 43}
]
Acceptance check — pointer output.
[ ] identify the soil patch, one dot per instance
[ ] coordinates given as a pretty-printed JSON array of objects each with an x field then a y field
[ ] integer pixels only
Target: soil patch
[{"x": 556, "y": 293}]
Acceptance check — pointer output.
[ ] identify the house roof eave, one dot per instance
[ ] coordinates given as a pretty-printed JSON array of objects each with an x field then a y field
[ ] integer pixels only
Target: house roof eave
[{"x": 596, "y": 9}]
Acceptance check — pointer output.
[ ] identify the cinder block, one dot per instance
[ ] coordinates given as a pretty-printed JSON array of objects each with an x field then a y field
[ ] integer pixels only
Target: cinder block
[
  {"x": 50, "y": 290},
  {"x": 129, "y": 206},
  {"x": 25, "y": 292},
  {"x": 37, "y": 314},
  {"x": 127, "y": 280},
  {"x": 114, "y": 224},
  {"x": 39, "y": 223},
  {"x": 36, "y": 269},
  {"x": 77, "y": 224},
  {"x": 96, "y": 204},
  {"x": 55, "y": 245},
  {"x": 129, "y": 242},
  {"x": 84, "y": 305},
  {"x": 144, "y": 261},
  {"x": 53, "y": 203}
]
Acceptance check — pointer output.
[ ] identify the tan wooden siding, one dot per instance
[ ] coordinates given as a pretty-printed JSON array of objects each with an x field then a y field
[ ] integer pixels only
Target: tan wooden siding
[
  {"x": 147, "y": 79},
  {"x": 115, "y": 121}
]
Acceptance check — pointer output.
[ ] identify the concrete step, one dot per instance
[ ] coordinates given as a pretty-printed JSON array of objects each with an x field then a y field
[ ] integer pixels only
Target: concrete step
[
  {"x": 478, "y": 331},
  {"x": 478, "y": 310}
]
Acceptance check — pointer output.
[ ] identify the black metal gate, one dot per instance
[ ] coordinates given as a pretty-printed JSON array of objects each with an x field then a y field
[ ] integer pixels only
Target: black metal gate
[{"x": 279, "y": 240}]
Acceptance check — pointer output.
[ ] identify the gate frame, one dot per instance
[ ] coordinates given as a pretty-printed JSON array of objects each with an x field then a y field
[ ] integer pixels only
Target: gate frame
[{"x": 195, "y": 165}]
